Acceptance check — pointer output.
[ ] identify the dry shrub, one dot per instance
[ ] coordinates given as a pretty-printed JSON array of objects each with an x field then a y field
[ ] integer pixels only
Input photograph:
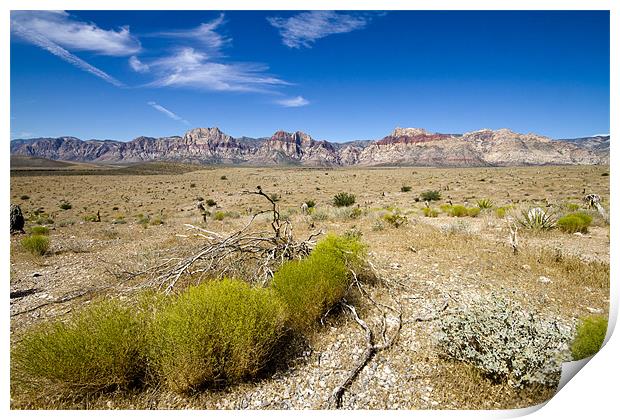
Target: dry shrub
[{"x": 574, "y": 222}]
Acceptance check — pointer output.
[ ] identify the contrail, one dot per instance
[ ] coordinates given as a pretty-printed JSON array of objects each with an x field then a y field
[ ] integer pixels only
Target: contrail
[{"x": 58, "y": 51}]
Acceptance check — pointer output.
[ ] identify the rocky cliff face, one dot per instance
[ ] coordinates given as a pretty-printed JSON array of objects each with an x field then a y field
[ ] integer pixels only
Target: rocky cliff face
[{"x": 404, "y": 146}]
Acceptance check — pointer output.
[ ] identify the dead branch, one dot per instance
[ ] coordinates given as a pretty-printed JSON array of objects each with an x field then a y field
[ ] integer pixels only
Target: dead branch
[
  {"x": 335, "y": 400},
  {"x": 245, "y": 252}
]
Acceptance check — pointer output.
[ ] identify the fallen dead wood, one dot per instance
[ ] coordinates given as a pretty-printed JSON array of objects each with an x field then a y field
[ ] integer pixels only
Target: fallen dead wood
[
  {"x": 246, "y": 253},
  {"x": 335, "y": 401}
]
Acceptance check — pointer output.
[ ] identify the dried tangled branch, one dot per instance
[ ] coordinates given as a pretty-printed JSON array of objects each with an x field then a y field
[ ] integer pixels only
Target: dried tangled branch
[{"x": 248, "y": 253}]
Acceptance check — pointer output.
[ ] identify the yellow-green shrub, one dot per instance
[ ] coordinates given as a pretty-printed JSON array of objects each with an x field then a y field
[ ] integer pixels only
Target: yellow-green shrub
[
  {"x": 39, "y": 230},
  {"x": 217, "y": 332},
  {"x": 36, "y": 244},
  {"x": 429, "y": 212},
  {"x": 99, "y": 348},
  {"x": 574, "y": 222},
  {"x": 311, "y": 286},
  {"x": 589, "y": 338}
]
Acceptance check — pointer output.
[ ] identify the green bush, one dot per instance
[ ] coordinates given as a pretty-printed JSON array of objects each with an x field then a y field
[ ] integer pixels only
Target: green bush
[
  {"x": 429, "y": 212},
  {"x": 219, "y": 215},
  {"x": 574, "y": 222},
  {"x": 589, "y": 338},
  {"x": 405, "y": 188},
  {"x": 485, "y": 203},
  {"x": 39, "y": 230},
  {"x": 310, "y": 287},
  {"x": 90, "y": 218},
  {"x": 223, "y": 177},
  {"x": 211, "y": 202},
  {"x": 25, "y": 197},
  {"x": 395, "y": 219},
  {"x": 500, "y": 212},
  {"x": 218, "y": 332},
  {"x": 310, "y": 203},
  {"x": 572, "y": 207},
  {"x": 473, "y": 211},
  {"x": 446, "y": 208},
  {"x": 431, "y": 195},
  {"x": 36, "y": 244},
  {"x": 351, "y": 251},
  {"x": 65, "y": 205},
  {"x": 458, "y": 211},
  {"x": 344, "y": 199},
  {"x": 99, "y": 348}
]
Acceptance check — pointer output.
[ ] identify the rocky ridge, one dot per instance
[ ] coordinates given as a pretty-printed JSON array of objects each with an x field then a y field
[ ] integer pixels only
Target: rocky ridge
[{"x": 402, "y": 147}]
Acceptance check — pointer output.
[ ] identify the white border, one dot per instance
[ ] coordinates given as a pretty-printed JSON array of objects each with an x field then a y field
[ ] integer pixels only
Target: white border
[{"x": 592, "y": 394}]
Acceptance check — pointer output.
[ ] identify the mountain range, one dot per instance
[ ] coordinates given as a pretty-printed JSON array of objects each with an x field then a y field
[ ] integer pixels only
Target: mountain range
[{"x": 402, "y": 147}]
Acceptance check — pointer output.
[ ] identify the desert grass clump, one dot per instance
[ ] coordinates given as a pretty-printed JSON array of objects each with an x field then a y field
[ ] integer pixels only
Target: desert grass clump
[
  {"x": 310, "y": 203},
  {"x": 473, "y": 211},
  {"x": 589, "y": 337},
  {"x": 431, "y": 195},
  {"x": 39, "y": 230},
  {"x": 219, "y": 215},
  {"x": 36, "y": 244},
  {"x": 405, "y": 188},
  {"x": 574, "y": 222},
  {"x": 97, "y": 349},
  {"x": 65, "y": 205},
  {"x": 505, "y": 342},
  {"x": 395, "y": 219},
  {"x": 24, "y": 197},
  {"x": 485, "y": 203},
  {"x": 458, "y": 211},
  {"x": 500, "y": 212},
  {"x": 429, "y": 212},
  {"x": 344, "y": 199},
  {"x": 536, "y": 219},
  {"x": 215, "y": 333},
  {"x": 211, "y": 202}
]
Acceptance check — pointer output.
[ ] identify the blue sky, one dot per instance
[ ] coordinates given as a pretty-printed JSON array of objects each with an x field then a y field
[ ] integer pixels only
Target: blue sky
[{"x": 336, "y": 75}]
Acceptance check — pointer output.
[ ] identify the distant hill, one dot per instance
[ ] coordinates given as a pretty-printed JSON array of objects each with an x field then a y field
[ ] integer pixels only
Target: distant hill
[{"x": 402, "y": 147}]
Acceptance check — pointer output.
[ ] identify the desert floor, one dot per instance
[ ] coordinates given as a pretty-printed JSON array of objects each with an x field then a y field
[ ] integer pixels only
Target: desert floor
[{"x": 433, "y": 261}]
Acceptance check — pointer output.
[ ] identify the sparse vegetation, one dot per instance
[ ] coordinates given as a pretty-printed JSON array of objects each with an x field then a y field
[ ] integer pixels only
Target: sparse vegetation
[
  {"x": 39, "y": 230},
  {"x": 485, "y": 203},
  {"x": 431, "y": 195},
  {"x": 310, "y": 203},
  {"x": 223, "y": 177},
  {"x": 589, "y": 338},
  {"x": 344, "y": 199},
  {"x": 211, "y": 202},
  {"x": 24, "y": 197},
  {"x": 429, "y": 212},
  {"x": 395, "y": 219},
  {"x": 36, "y": 244},
  {"x": 65, "y": 205},
  {"x": 574, "y": 222},
  {"x": 219, "y": 215},
  {"x": 405, "y": 188}
]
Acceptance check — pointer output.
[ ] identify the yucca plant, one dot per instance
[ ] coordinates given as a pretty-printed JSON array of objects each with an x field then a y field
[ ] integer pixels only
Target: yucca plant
[
  {"x": 485, "y": 203},
  {"x": 536, "y": 218}
]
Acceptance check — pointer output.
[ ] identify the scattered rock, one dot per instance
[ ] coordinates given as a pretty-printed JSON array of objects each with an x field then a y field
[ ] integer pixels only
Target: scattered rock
[{"x": 544, "y": 279}]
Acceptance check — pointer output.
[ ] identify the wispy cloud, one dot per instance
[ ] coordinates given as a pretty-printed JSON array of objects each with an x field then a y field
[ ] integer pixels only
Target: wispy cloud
[
  {"x": 74, "y": 35},
  {"x": 46, "y": 44},
  {"x": 167, "y": 112},
  {"x": 190, "y": 68},
  {"x": 137, "y": 65},
  {"x": 295, "y": 102},
  {"x": 205, "y": 34},
  {"x": 303, "y": 29}
]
